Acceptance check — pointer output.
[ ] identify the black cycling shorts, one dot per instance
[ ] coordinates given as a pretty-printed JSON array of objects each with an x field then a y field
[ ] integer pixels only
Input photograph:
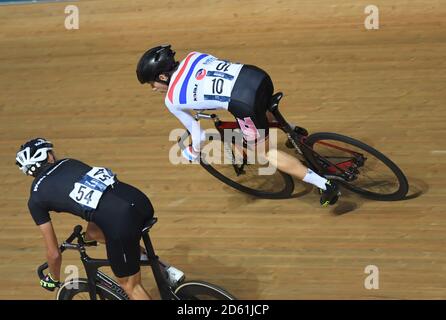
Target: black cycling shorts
[
  {"x": 121, "y": 215},
  {"x": 250, "y": 98}
]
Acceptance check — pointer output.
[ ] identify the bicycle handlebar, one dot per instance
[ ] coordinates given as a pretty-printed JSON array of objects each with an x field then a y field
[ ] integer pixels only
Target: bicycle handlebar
[
  {"x": 76, "y": 234},
  {"x": 40, "y": 270},
  {"x": 202, "y": 115}
]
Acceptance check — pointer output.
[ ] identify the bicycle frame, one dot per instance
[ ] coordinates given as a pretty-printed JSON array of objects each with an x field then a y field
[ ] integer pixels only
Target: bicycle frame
[
  {"x": 92, "y": 266},
  {"x": 298, "y": 142}
]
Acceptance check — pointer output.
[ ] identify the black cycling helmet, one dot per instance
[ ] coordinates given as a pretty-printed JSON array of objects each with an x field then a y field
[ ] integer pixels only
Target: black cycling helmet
[
  {"x": 33, "y": 156},
  {"x": 154, "y": 62}
]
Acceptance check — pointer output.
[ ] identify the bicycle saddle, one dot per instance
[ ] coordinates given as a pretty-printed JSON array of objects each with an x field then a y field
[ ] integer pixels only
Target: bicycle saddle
[
  {"x": 149, "y": 224},
  {"x": 275, "y": 99}
]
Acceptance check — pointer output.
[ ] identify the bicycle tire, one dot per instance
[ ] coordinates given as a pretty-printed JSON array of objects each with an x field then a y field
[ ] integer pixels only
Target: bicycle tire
[
  {"x": 69, "y": 290},
  {"x": 284, "y": 192},
  {"x": 201, "y": 290},
  {"x": 402, "y": 180}
]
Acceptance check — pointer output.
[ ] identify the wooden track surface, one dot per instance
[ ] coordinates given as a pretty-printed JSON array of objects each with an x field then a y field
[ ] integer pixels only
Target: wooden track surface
[{"x": 386, "y": 87}]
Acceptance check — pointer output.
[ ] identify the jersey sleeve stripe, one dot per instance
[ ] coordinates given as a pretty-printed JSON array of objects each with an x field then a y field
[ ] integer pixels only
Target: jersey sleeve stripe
[
  {"x": 183, "y": 92},
  {"x": 180, "y": 73}
]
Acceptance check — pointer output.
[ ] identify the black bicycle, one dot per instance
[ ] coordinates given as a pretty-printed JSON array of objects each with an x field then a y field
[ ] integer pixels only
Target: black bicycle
[
  {"x": 354, "y": 164},
  {"x": 100, "y": 286}
]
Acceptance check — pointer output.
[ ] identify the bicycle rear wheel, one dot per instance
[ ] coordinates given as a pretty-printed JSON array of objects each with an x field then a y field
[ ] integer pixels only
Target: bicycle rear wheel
[
  {"x": 244, "y": 172},
  {"x": 359, "y": 167},
  {"x": 200, "y": 290}
]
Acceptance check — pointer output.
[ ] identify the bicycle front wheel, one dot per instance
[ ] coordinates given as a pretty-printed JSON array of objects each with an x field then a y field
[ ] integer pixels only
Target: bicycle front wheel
[
  {"x": 200, "y": 290},
  {"x": 78, "y": 290},
  {"x": 243, "y": 171},
  {"x": 358, "y": 166}
]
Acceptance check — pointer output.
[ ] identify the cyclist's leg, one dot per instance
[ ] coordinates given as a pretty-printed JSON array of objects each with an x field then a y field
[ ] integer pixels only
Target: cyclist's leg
[
  {"x": 121, "y": 224},
  {"x": 250, "y": 97},
  {"x": 250, "y": 107},
  {"x": 291, "y": 165},
  {"x": 133, "y": 288},
  {"x": 285, "y": 162},
  {"x": 94, "y": 233},
  {"x": 249, "y": 104},
  {"x": 123, "y": 252}
]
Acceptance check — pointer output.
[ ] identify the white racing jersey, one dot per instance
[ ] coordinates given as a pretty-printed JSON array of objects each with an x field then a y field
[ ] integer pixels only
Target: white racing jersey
[{"x": 201, "y": 82}]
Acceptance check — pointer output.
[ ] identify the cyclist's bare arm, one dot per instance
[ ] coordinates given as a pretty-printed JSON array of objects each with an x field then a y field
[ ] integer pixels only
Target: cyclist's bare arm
[
  {"x": 183, "y": 113},
  {"x": 53, "y": 254}
]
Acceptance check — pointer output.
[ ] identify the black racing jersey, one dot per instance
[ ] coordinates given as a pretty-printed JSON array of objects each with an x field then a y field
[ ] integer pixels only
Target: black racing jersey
[{"x": 50, "y": 191}]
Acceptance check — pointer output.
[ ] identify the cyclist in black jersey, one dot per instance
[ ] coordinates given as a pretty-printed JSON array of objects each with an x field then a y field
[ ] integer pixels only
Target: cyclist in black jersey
[{"x": 115, "y": 211}]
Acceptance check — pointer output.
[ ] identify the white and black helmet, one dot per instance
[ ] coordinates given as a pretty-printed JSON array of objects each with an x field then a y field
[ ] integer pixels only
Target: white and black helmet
[{"x": 33, "y": 155}]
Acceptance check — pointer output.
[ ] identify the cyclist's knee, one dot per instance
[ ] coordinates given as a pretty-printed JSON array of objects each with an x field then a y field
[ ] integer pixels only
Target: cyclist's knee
[{"x": 94, "y": 232}]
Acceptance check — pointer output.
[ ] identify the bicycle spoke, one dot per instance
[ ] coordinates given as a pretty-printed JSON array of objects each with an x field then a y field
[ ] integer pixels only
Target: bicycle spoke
[
  {"x": 240, "y": 168},
  {"x": 362, "y": 168}
]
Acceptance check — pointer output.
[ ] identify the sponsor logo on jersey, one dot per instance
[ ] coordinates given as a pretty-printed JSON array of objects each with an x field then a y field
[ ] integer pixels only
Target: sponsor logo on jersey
[
  {"x": 200, "y": 74},
  {"x": 195, "y": 91},
  {"x": 209, "y": 60}
]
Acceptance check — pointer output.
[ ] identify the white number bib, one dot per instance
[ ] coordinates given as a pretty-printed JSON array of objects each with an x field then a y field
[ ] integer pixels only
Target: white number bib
[
  {"x": 88, "y": 191},
  {"x": 219, "y": 80}
]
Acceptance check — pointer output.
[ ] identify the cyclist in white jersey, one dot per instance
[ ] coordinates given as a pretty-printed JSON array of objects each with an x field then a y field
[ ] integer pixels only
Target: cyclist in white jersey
[{"x": 201, "y": 82}]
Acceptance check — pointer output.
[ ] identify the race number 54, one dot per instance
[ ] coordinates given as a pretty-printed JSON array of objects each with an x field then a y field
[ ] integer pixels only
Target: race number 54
[{"x": 84, "y": 194}]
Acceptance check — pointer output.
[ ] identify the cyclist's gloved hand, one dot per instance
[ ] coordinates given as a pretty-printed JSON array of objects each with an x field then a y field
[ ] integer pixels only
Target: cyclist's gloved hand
[
  {"x": 190, "y": 154},
  {"x": 49, "y": 283}
]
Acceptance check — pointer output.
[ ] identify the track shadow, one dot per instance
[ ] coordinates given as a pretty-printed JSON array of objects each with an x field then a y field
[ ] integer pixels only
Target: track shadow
[
  {"x": 417, "y": 187},
  {"x": 349, "y": 202},
  {"x": 206, "y": 268},
  {"x": 344, "y": 207},
  {"x": 302, "y": 189}
]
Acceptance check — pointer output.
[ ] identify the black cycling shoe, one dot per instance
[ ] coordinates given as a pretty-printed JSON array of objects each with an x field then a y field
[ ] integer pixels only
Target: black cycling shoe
[
  {"x": 331, "y": 195},
  {"x": 300, "y": 131}
]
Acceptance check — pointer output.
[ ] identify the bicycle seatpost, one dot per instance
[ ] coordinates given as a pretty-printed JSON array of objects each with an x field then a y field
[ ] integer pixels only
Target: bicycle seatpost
[
  {"x": 156, "y": 268},
  {"x": 282, "y": 121}
]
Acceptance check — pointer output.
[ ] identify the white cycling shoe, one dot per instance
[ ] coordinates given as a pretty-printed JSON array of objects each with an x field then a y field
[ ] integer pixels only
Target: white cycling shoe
[{"x": 174, "y": 276}]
